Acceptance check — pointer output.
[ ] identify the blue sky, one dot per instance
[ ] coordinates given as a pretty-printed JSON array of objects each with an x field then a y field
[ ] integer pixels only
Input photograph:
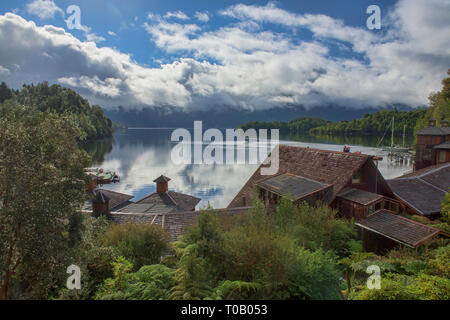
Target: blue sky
[
  {"x": 245, "y": 54},
  {"x": 125, "y": 18}
]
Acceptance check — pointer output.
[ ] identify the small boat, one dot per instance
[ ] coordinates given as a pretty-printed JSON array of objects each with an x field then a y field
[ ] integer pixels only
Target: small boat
[
  {"x": 393, "y": 148},
  {"x": 99, "y": 176}
]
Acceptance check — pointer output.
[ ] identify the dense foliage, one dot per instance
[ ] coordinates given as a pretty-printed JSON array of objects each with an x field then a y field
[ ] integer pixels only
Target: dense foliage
[
  {"x": 299, "y": 125},
  {"x": 140, "y": 244},
  {"x": 439, "y": 108},
  {"x": 409, "y": 275},
  {"x": 41, "y": 191},
  {"x": 375, "y": 123},
  {"x": 60, "y": 100}
]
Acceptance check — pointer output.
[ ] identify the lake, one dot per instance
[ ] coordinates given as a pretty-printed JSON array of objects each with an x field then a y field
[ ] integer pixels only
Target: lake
[{"x": 140, "y": 155}]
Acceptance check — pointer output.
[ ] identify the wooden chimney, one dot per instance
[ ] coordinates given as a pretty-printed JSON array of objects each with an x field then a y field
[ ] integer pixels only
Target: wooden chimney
[
  {"x": 100, "y": 204},
  {"x": 162, "y": 184}
]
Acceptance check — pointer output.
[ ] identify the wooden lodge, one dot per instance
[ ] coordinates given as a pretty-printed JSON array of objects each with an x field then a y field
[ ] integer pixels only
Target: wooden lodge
[
  {"x": 346, "y": 181},
  {"x": 421, "y": 192},
  {"x": 433, "y": 145},
  {"x": 384, "y": 230}
]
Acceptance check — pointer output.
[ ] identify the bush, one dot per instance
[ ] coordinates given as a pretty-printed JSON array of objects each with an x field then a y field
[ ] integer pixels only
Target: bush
[
  {"x": 142, "y": 244},
  {"x": 152, "y": 282}
]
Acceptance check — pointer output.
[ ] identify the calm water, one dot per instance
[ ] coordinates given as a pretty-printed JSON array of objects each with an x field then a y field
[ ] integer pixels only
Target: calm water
[{"x": 141, "y": 155}]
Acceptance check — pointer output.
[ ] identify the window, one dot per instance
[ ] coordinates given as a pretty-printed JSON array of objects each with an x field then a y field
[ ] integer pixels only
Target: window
[
  {"x": 441, "y": 156},
  {"x": 356, "y": 178}
]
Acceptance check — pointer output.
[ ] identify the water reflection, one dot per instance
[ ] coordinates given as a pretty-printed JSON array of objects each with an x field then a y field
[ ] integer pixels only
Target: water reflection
[{"x": 141, "y": 155}]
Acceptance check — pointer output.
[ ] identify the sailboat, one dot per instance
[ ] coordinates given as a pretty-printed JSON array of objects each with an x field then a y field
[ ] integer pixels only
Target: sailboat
[{"x": 393, "y": 147}]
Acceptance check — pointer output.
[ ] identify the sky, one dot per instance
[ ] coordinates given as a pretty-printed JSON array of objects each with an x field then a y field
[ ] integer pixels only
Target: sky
[{"x": 251, "y": 55}]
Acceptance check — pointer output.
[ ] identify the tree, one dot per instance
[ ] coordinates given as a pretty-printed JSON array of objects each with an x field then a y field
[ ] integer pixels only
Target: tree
[
  {"x": 5, "y": 92},
  {"x": 41, "y": 189}
]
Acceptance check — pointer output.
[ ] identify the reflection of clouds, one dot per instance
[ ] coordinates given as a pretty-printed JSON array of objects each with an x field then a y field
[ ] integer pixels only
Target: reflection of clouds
[
  {"x": 217, "y": 184},
  {"x": 139, "y": 159}
]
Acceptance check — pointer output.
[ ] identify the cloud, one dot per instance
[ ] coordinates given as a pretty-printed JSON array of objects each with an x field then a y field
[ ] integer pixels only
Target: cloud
[
  {"x": 246, "y": 64},
  {"x": 202, "y": 16},
  {"x": 177, "y": 14},
  {"x": 112, "y": 33},
  {"x": 44, "y": 9},
  {"x": 4, "y": 71}
]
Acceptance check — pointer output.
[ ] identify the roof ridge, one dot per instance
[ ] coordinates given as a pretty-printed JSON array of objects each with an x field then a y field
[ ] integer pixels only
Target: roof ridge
[
  {"x": 424, "y": 174},
  {"x": 360, "y": 155}
]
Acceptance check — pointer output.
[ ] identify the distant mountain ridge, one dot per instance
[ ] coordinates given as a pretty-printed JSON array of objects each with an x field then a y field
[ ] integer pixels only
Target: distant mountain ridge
[{"x": 230, "y": 118}]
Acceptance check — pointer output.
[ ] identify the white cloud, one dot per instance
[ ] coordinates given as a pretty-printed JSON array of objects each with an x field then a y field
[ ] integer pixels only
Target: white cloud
[
  {"x": 202, "y": 16},
  {"x": 112, "y": 33},
  {"x": 177, "y": 14},
  {"x": 4, "y": 71},
  {"x": 245, "y": 64},
  {"x": 44, "y": 9}
]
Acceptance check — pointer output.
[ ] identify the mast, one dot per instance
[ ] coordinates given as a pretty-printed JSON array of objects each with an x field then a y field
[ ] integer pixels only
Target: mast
[
  {"x": 392, "y": 138},
  {"x": 404, "y": 134}
]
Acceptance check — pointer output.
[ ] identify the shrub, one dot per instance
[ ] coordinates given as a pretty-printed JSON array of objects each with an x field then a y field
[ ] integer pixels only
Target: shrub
[{"x": 142, "y": 244}]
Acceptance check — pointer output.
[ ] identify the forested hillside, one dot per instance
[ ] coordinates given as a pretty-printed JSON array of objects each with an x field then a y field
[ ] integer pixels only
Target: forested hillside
[
  {"x": 299, "y": 125},
  {"x": 439, "y": 105},
  {"x": 376, "y": 123},
  {"x": 60, "y": 100}
]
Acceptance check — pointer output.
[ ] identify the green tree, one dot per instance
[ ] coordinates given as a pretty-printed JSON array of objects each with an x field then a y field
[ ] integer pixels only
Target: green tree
[{"x": 41, "y": 190}]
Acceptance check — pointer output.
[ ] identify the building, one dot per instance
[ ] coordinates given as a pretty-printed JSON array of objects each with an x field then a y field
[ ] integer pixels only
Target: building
[
  {"x": 433, "y": 145},
  {"x": 108, "y": 199},
  {"x": 174, "y": 223},
  {"x": 349, "y": 182},
  {"x": 383, "y": 230},
  {"x": 162, "y": 201},
  {"x": 422, "y": 191}
]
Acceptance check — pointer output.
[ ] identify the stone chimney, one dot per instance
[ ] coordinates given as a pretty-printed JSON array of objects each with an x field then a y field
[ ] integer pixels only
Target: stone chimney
[
  {"x": 444, "y": 123},
  {"x": 100, "y": 204},
  {"x": 432, "y": 122},
  {"x": 162, "y": 184}
]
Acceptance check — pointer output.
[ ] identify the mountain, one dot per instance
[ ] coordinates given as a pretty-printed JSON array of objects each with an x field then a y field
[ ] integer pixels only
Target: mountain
[{"x": 230, "y": 118}]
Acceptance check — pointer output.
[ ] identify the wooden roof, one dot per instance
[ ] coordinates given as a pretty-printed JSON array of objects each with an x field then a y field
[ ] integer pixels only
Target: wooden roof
[
  {"x": 169, "y": 201},
  {"x": 174, "y": 223},
  {"x": 398, "y": 228},
  {"x": 328, "y": 167},
  {"x": 162, "y": 178},
  {"x": 423, "y": 190},
  {"x": 116, "y": 199},
  {"x": 434, "y": 131},
  {"x": 443, "y": 146},
  {"x": 359, "y": 196},
  {"x": 286, "y": 183}
]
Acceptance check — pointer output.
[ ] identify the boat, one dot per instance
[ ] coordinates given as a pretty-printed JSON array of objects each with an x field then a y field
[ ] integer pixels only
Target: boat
[
  {"x": 99, "y": 176},
  {"x": 393, "y": 148}
]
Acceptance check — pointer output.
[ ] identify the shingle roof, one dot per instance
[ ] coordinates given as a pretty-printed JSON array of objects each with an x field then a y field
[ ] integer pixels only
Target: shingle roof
[
  {"x": 443, "y": 146},
  {"x": 398, "y": 228},
  {"x": 329, "y": 167},
  {"x": 162, "y": 178},
  {"x": 116, "y": 199},
  {"x": 434, "y": 131},
  {"x": 100, "y": 197},
  {"x": 174, "y": 223},
  {"x": 169, "y": 201},
  {"x": 359, "y": 196},
  {"x": 423, "y": 190},
  {"x": 297, "y": 186}
]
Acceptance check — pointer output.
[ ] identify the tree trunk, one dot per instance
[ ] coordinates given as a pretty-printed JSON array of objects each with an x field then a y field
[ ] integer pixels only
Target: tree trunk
[{"x": 4, "y": 288}]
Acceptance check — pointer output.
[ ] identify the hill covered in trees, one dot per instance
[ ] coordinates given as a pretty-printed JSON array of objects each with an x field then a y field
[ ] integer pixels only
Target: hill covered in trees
[
  {"x": 439, "y": 108},
  {"x": 61, "y": 100},
  {"x": 376, "y": 123},
  {"x": 298, "y": 125}
]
